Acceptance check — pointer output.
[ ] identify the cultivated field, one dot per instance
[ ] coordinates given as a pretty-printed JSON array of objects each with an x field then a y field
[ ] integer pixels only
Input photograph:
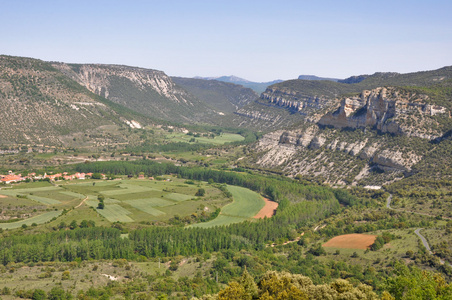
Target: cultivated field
[
  {"x": 351, "y": 241},
  {"x": 39, "y": 219},
  {"x": 218, "y": 140},
  {"x": 268, "y": 210},
  {"x": 127, "y": 201},
  {"x": 245, "y": 206}
]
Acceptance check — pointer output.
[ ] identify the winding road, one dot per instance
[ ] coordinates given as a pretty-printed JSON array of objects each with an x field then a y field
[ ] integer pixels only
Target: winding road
[
  {"x": 426, "y": 245},
  {"x": 423, "y": 239},
  {"x": 417, "y": 231}
]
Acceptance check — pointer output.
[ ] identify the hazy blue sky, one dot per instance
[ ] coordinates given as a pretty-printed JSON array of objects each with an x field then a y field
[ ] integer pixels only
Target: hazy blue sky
[{"x": 258, "y": 40}]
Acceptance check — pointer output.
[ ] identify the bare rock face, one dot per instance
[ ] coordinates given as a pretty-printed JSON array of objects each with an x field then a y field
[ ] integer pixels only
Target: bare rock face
[
  {"x": 368, "y": 152},
  {"x": 396, "y": 159},
  {"x": 97, "y": 78},
  {"x": 387, "y": 110},
  {"x": 317, "y": 142},
  {"x": 311, "y": 151},
  {"x": 308, "y": 106},
  {"x": 149, "y": 92}
]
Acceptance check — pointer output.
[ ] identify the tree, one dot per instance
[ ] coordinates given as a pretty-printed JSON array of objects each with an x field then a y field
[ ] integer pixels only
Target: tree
[
  {"x": 248, "y": 284},
  {"x": 201, "y": 192},
  {"x": 96, "y": 176},
  {"x": 84, "y": 224},
  {"x": 73, "y": 224},
  {"x": 39, "y": 294},
  {"x": 233, "y": 291}
]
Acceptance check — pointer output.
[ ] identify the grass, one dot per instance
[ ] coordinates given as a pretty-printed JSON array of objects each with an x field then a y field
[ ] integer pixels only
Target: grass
[{"x": 43, "y": 218}]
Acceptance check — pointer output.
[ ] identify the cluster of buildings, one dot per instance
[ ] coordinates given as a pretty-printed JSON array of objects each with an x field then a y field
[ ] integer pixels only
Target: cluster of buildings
[{"x": 11, "y": 177}]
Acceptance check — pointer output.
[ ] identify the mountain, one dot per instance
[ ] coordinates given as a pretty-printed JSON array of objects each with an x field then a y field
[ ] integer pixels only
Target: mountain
[
  {"x": 42, "y": 106},
  {"x": 223, "y": 96},
  {"x": 313, "y": 77},
  {"x": 258, "y": 87},
  {"x": 149, "y": 92},
  {"x": 370, "y": 132}
]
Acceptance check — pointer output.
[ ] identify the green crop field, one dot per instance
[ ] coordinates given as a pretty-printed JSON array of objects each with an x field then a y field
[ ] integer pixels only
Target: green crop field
[
  {"x": 72, "y": 194},
  {"x": 179, "y": 197},
  {"x": 245, "y": 206},
  {"x": 13, "y": 192},
  {"x": 127, "y": 189},
  {"x": 146, "y": 207},
  {"x": 44, "y": 200},
  {"x": 218, "y": 140},
  {"x": 246, "y": 203},
  {"x": 221, "y": 220},
  {"x": 154, "y": 202},
  {"x": 115, "y": 213},
  {"x": 43, "y": 218},
  {"x": 131, "y": 200}
]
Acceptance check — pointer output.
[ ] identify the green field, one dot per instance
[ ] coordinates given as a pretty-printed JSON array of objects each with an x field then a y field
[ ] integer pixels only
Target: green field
[
  {"x": 146, "y": 207},
  {"x": 179, "y": 197},
  {"x": 131, "y": 201},
  {"x": 43, "y": 218},
  {"x": 154, "y": 202},
  {"x": 44, "y": 200},
  {"x": 218, "y": 140},
  {"x": 115, "y": 213},
  {"x": 245, "y": 206}
]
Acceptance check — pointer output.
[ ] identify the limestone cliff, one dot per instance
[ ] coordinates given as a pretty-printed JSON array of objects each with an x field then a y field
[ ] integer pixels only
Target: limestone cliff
[
  {"x": 388, "y": 110},
  {"x": 372, "y": 137},
  {"x": 146, "y": 91},
  {"x": 305, "y": 105},
  {"x": 336, "y": 157}
]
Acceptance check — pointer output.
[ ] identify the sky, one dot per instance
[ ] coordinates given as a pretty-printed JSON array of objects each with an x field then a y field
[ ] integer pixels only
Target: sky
[{"x": 256, "y": 40}]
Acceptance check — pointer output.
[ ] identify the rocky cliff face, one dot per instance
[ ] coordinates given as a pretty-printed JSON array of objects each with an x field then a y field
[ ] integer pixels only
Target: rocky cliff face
[
  {"x": 295, "y": 101},
  {"x": 98, "y": 79},
  {"x": 388, "y": 110},
  {"x": 333, "y": 156},
  {"x": 146, "y": 91},
  {"x": 350, "y": 143}
]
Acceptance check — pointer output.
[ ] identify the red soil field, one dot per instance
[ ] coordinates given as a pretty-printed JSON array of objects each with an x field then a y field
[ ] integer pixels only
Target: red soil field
[
  {"x": 351, "y": 241},
  {"x": 268, "y": 210}
]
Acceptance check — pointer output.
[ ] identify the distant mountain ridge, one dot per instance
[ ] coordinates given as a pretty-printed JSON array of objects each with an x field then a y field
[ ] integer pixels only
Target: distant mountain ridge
[
  {"x": 313, "y": 77},
  {"x": 224, "y": 96},
  {"x": 258, "y": 87}
]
